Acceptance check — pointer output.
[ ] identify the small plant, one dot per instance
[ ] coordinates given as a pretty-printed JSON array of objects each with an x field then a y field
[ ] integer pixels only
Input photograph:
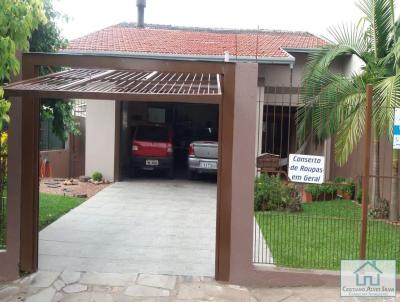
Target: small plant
[
  {"x": 340, "y": 180},
  {"x": 381, "y": 211},
  {"x": 348, "y": 188},
  {"x": 359, "y": 192},
  {"x": 97, "y": 176},
  {"x": 294, "y": 205},
  {"x": 326, "y": 191},
  {"x": 345, "y": 187},
  {"x": 315, "y": 190}
]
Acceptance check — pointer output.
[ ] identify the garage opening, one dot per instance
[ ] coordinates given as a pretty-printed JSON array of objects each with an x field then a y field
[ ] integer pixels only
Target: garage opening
[
  {"x": 160, "y": 222},
  {"x": 160, "y": 216},
  {"x": 173, "y": 140}
]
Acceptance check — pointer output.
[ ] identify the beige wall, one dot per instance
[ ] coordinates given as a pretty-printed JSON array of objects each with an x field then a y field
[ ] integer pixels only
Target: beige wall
[
  {"x": 100, "y": 138},
  {"x": 279, "y": 76}
]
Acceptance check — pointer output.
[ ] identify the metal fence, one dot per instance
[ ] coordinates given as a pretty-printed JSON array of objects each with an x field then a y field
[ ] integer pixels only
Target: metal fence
[
  {"x": 3, "y": 198},
  {"x": 315, "y": 226},
  {"x": 3, "y": 222}
]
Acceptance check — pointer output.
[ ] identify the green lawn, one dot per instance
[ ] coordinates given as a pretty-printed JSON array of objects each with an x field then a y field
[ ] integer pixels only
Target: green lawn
[
  {"x": 323, "y": 234},
  {"x": 51, "y": 207}
]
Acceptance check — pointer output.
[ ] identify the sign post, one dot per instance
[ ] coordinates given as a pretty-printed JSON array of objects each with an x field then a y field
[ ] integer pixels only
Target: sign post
[
  {"x": 306, "y": 168},
  {"x": 396, "y": 129}
]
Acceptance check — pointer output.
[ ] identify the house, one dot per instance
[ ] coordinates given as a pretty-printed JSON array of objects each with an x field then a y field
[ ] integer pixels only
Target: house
[
  {"x": 107, "y": 77},
  {"x": 280, "y": 55},
  {"x": 368, "y": 274}
]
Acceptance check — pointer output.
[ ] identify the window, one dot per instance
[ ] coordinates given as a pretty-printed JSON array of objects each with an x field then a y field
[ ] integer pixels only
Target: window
[{"x": 152, "y": 133}]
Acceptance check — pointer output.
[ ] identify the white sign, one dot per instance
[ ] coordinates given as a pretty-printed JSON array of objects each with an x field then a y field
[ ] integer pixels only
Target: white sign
[
  {"x": 306, "y": 168},
  {"x": 368, "y": 278},
  {"x": 396, "y": 129}
]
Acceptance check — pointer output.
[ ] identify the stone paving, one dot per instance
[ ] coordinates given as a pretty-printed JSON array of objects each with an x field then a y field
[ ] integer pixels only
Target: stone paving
[
  {"x": 68, "y": 286},
  {"x": 145, "y": 225}
]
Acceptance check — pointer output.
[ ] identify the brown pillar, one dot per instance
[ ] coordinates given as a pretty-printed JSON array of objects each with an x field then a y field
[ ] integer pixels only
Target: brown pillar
[
  {"x": 226, "y": 115},
  {"x": 243, "y": 167},
  {"x": 9, "y": 259},
  {"x": 29, "y": 167}
]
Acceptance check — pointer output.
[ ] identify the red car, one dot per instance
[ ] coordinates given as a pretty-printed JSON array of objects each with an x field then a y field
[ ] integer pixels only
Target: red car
[{"x": 152, "y": 149}]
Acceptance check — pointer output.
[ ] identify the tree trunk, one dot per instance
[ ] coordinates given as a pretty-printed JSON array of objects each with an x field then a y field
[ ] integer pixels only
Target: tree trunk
[
  {"x": 394, "y": 197},
  {"x": 375, "y": 189}
]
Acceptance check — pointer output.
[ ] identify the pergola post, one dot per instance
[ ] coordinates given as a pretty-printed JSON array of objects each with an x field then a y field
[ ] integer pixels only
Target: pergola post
[{"x": 29, "y": 166}]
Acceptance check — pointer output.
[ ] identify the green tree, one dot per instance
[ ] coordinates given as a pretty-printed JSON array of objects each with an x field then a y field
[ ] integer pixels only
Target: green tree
[
  {"x": 18, "y": 18},
  {"x": 47, "y": 38},
  {"x": 333, "y": 104}
]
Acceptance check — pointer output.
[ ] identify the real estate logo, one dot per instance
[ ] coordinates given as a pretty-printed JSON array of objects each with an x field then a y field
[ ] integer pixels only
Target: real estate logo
[{"x": 368, "y": 278}]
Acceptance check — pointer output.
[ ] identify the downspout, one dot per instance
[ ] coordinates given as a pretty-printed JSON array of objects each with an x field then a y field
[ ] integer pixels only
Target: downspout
[{"x": 291, "y": 66}]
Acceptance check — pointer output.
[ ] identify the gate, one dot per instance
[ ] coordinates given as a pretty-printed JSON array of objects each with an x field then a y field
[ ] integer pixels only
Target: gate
[
  {"x": 315, "y": 226},
  {"x": 77, "y": 142},
  {"x": 3, "y": 191}
]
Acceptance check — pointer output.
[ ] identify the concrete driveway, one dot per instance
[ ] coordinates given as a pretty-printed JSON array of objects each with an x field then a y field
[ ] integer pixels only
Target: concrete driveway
[{"x": 143, "y": 226}]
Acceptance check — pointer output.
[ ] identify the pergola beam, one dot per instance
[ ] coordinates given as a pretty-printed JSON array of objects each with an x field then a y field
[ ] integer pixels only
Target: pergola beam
[{"x": 125, "y": 85}]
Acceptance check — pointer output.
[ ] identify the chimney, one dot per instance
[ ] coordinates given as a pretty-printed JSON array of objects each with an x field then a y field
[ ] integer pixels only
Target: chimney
[{"x": 141, "y": 4}]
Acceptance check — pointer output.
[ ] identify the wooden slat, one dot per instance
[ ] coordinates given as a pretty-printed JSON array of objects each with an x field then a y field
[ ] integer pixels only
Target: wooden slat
[{"x": 121, "y": 81}]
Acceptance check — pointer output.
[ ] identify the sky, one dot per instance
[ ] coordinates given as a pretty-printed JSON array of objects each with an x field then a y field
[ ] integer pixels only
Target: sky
[{"x": 314, "y": 16}]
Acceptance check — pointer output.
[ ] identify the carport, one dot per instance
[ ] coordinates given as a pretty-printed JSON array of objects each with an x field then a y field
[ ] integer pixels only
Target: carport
[
  {"x": 186, "y": 121},
  {"x": 230, "y": 86}
]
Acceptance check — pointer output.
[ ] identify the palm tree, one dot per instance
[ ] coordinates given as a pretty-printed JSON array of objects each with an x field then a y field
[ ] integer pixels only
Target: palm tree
[{"x": 333, "y": 104}]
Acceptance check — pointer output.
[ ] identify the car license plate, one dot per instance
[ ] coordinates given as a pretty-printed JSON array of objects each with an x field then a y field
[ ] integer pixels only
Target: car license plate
[
  {"x": 151, "y": 162},
  {"x": 208, "y": 165}
]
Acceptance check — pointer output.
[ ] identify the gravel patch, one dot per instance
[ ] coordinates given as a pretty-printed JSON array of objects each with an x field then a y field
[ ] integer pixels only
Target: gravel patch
[{"x": 78, "y": 189}]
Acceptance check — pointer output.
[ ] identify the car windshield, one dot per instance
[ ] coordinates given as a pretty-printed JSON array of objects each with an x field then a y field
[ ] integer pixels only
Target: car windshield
[
  {"x": 206, "y": 134},
  {"x": 152, "y": 133}
]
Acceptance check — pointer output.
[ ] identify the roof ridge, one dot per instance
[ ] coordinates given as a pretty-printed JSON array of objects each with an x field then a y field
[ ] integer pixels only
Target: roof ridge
[{"x": 214, "y": 29}]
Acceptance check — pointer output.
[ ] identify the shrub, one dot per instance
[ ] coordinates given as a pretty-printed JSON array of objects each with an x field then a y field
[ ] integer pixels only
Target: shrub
[
  {"x": 97, "y": 176},
  {"x": 271, "y": 193},
  {"x": 318, "y": 190}
]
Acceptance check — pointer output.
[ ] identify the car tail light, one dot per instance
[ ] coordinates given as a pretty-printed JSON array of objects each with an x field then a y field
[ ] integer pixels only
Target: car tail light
[
  {"x": 191, "y": 150},
  {"x": 135, "y": 147},
  {"x": 170, "y": 149}
]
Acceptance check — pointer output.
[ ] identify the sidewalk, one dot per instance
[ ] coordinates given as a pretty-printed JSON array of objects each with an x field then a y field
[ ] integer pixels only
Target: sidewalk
[{"x": 111, "y": 287}]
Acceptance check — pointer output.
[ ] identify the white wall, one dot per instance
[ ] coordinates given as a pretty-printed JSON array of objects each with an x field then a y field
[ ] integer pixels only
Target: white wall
[
  {"x": 353, "y": 65},
  {"x": 100, "y": 138}
]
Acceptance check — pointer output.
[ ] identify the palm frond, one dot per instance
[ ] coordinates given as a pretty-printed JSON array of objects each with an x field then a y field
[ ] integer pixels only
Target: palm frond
[
  {"x": 380, "y": 15},
  {"x": 325, "y": 102},
  {"x": 386, "y": 98},
  {"x": 350, "y": 36},
  {"x": 350, "y": 133}
]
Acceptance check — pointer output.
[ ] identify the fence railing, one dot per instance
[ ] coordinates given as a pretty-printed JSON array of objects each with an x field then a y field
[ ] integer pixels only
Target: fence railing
[
  {"x": 3, "y": 222},
  {"x": 317, "y": 226}
]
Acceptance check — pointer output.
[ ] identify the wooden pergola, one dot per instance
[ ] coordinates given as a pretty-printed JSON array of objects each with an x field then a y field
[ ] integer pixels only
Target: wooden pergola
[
  {"x": 109, "y": 78},
  {"x": 122, "y": 85}
]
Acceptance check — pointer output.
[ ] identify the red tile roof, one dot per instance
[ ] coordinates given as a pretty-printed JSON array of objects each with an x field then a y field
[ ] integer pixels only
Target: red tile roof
[{"x": 185, "y": 41}]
